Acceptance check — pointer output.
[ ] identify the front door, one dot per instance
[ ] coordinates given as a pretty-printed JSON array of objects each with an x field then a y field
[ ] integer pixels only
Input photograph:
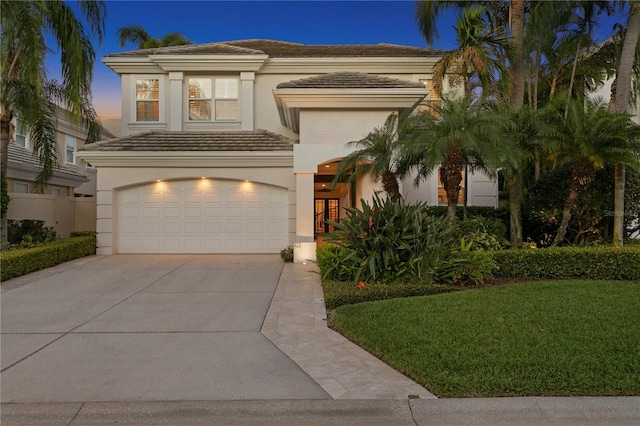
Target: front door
[{"x": 326, "y": 209}]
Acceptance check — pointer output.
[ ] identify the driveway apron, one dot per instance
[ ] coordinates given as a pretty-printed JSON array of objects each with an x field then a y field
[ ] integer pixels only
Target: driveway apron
[{"x": 147, "y": 328}]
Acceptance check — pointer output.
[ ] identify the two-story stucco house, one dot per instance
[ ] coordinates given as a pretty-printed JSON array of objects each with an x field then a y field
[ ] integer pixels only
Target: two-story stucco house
[{"x": 230, "y": 147}]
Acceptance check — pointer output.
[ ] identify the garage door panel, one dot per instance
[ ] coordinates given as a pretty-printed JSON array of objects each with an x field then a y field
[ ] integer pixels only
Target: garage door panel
[
  {"x": 171, "y": 212},
  {"x": 193, "y": 212},
  {"x": 202, "y": 216}
]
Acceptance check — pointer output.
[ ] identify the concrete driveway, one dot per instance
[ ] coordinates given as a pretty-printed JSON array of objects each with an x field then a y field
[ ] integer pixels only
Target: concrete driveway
[{"x": 145, "y": 328}]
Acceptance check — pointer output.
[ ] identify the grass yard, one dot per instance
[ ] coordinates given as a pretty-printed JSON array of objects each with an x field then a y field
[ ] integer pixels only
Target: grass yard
[{"x": 542, "y": 338}]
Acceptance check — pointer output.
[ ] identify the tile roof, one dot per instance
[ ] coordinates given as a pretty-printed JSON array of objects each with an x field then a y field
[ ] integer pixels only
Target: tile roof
[
  {"x": 260, "y": 140},
  {"x": 19, "y": 155},
  {"x": 349, "y": 80},
  {"x": 284, "y": 49}
]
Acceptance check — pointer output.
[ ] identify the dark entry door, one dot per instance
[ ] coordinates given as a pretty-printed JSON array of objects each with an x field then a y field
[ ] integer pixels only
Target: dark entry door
[{"x": 326, "y": 209}]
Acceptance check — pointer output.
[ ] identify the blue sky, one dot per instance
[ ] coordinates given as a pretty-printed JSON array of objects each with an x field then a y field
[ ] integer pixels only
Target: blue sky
[{"x": 309, "y": 22}]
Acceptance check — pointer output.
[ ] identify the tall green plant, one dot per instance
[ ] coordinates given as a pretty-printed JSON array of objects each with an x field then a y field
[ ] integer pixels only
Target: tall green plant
[
  {"x": 592, "y": 137},
  {"x": 395, "y": 241}
]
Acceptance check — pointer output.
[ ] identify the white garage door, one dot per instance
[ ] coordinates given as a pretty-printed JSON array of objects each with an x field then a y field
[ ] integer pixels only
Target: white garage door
[{"x": 202, "y": 216}]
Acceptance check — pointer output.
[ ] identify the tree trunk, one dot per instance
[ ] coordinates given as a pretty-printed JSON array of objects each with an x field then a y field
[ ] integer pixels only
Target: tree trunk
[
  {"x": 581, "y": 178},
  {"x": 618, "y": 205},
  {"x": 517, "y": 37},
  {"x": 390, "y": 185},
  {"x": 515, "y": 209},
  {"x": 623, "y": 89},
  {"x": 5, "y": 136}
]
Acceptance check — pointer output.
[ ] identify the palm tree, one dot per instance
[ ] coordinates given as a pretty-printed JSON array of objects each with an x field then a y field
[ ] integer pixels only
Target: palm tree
[
  {"x": 378, "y": 154},
  {"x": 458, "y": 133},
  {"x": 625, "y": 67},
  {"x": 474, "y": 56},
  {"x": 590, "y": 137},
  {"x": 26, "y": 90},
  {"x": 136, "y": 34}
]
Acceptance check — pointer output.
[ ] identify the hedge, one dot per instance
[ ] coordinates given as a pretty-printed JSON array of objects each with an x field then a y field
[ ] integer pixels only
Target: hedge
[
  {"x": 600, "y": 263},
  {"x": 14, "y": 263},
  {"x": 338, "y": 293}
]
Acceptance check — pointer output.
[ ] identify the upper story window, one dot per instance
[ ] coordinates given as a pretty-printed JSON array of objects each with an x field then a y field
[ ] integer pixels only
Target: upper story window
[
  {"x": 21, "y": 187},
  {"x": 56, "y": 192},
  {"x": 70, "y": 149},
  {"x": 21, "y": 134},
  {"x": 147, "y": 99},
  {"x": 213, "y": 99},
  {"x": 432, "y": 99}
]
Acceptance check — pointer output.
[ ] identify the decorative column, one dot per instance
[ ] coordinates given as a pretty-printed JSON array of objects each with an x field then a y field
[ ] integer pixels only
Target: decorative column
[
  {"x": 246, "y": 103},
  {"x": 305, "y": 247},
  {"x": 175, "y": 104}
]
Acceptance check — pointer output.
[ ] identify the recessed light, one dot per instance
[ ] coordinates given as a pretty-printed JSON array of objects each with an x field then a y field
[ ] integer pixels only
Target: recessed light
[{"x": 327, "y": 166}]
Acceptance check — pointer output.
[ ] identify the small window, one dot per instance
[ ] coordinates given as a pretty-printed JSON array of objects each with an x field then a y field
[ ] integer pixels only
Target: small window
[
  {"x": 21, "y": 187},
  {"x": 21, "y": 135},
  {"x": 70, "y": 143},
  {"x": 57, "y": 192},
  {"x": 147, "y": 99},
  {"x": 213, "y": 99}
]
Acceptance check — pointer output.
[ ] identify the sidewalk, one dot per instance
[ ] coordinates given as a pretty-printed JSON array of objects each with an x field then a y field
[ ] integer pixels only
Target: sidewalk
[
  {"x": 297, "y": 324},
  {"x": 533, "y": 411}
]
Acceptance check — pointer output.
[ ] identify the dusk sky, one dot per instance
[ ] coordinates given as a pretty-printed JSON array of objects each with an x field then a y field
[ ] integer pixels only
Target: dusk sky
[{"x": 309, "y": 22}]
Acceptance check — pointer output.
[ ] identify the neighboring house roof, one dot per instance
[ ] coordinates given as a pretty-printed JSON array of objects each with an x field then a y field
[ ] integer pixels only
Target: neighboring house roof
[
  {"x": 24, "y": 165},
  {"x": 284, "y": 49},
  {"x": 259, "y": 140},
  {"x": 349, "y": 80}
]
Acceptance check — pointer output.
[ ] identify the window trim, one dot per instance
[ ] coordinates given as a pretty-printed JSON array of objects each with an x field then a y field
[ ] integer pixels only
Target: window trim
[
  {"x": 161, "y": 98},
  {"x": 213, "y": 98},
  {"x": 67, "y": 138},
  {"x": 26, "y": 135},
  {"x": 15, "y": 185}
]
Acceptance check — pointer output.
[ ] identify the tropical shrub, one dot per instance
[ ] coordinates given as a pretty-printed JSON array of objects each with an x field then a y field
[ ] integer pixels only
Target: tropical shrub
[
  {"x": 28, "y": 232},
  {"x": 482, "y": 233},
  {"x": 390, "y": 242},
  {"x": 337, "y": 263},
  {"x": 592, "y": 215}
]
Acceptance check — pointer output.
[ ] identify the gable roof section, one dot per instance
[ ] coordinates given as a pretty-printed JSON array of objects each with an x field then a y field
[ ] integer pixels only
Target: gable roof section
[
  {"x": 260, "y": 140},
  {"x": 283, "y": 49},
  {"x": 349, "y": 80}
]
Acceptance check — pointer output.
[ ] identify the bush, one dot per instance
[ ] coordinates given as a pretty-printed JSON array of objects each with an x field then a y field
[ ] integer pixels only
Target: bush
[
  {"x": 482, "y": 233},
  {"x": 592, "y": 216},
  {"x": 601, "y": 263},
  {"x": 392, "y": 241},
  {"x": 338, "y": 293},
  {"x": 83, "y": 234},
  {"x": 23, "y": 261},
  {"x": 287, "y": 254},
  {"x": 337, "y": 263},
  {"x": 28, "y": 232}
]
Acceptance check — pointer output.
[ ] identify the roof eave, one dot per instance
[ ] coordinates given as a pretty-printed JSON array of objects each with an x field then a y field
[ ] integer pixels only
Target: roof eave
[
  {"x": 210, "y": 159},
  {"x": 291, "y": 101}
]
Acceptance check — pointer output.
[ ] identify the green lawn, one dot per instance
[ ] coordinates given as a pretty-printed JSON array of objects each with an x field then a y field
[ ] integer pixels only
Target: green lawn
[{"x": 542, "y": 338}]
